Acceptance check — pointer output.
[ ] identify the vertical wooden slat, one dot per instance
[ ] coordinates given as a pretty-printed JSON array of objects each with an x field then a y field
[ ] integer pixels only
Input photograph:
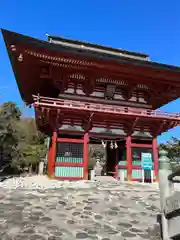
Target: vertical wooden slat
[
  {"x": 85, "y": 155},
  {"x": 50, "y": 164},
  {"x": 68, "y": 172},
  {"x": 129, "y": 158}
]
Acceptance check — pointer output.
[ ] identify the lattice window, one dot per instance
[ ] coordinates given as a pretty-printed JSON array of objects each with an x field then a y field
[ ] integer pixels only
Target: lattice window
[{"x": 69, "y": 152}]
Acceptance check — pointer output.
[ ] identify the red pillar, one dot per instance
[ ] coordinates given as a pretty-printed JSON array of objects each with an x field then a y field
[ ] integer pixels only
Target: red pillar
[
  {"x": 85, "y": 156},
  {"x": 53, "y": 152},
  {"x": 129, "y": 158},
  {"x": 155, "y": 157}
]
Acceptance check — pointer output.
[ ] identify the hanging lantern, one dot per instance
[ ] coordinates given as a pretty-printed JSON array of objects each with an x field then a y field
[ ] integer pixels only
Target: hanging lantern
[
  {"x": 111, "y": 145},
  {"x": 115, "y": 145}
]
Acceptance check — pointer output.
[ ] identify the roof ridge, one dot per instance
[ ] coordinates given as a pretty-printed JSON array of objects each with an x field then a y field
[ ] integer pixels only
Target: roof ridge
[{"x": 79, "y": 42}]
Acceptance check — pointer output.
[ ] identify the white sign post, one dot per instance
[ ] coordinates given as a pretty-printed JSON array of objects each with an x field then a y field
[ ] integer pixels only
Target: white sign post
[
  {"x": 146, "y": 164},
  {"x": 142, "y": 175},
  {"x": 152, "y": 176}
]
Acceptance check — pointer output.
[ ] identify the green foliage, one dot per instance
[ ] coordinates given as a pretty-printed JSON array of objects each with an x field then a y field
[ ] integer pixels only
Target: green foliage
[
  {"x": 21, "y": 144},
  {"x": 9, "y": 111},
  {"x": 9, "y": 118},
  {"x": 173, "y": 149},
  {"x": 91, "y": 158}
]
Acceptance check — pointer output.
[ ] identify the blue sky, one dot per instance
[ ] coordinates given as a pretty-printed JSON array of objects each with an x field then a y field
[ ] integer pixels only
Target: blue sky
[{"x": 138, "y": 25}]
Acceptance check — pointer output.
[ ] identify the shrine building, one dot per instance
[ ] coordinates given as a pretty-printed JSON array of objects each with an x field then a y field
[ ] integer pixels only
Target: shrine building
[{"x": 88, "y": 95}]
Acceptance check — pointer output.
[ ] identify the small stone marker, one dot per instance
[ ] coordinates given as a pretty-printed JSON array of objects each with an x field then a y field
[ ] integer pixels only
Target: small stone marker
[
  {"x": 41, "y": 167},
  {"x": 98, "y": 168},
  {"x": 165, "y": 188}
]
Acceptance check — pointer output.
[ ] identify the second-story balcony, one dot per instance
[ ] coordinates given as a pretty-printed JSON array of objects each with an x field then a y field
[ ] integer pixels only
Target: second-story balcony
[{"x": 70, "y": 105}]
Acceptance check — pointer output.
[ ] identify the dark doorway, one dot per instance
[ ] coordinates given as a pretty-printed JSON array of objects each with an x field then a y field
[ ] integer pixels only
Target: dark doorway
[{"x": 111, "y": 161}]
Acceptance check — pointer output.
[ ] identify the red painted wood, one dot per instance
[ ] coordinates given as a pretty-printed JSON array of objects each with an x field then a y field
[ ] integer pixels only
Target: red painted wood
[
  {"x": 105, "y": 68},
  {"x": 69, "y": 178},
  {"x": 136, "y": 167},
  {"x": 86, "y": 153},
  {"x": 129, "y": 158},
  {"x": 53, "y": 151},
  {"x": 95, "y": 134},
  {"x": 141, "y": 73},
  {"x": 69, "y": 164},
  {"x": 122, "y": 167},
  {"x": 112, "y": 119},
  {"x": 70, "y": 140},
  {"x": 155, "y": 157},
  {"x": 102, "y": 108},
  {"x": 141, "y": 145}
]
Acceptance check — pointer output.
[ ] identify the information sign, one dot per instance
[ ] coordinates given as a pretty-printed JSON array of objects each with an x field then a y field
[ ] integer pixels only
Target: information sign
[{"x": 146, "y": 161}]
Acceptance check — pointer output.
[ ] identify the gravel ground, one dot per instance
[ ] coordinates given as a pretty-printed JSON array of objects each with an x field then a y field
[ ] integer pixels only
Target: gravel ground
[{"x": 37, "y": 208}]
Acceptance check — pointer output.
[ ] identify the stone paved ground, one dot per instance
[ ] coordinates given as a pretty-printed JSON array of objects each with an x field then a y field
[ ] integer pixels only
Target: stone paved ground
[{"x": 104, "y": 210}]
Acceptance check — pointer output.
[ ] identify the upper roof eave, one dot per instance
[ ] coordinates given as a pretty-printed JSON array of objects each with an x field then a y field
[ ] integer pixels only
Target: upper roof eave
[
  {"x": 17, "y": 38},
  {"x": 97, "y": 46}
]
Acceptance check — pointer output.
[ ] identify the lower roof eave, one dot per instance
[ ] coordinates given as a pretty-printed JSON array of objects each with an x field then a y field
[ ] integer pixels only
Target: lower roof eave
[{"x": 55, "y": 117}]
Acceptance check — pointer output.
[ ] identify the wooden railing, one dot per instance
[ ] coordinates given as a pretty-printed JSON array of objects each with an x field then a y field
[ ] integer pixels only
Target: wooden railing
[{"x": 102, "y": 108}]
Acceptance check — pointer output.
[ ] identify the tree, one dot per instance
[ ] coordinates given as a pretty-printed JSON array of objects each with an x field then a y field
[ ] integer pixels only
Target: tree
[
  {"x": 21, "y": 144},
  {"x": 31, "y": 147},
  {"x": 173, "y": 149},
  {"x": 9, "y": 111},
  {"x": 9, "y": 117}
]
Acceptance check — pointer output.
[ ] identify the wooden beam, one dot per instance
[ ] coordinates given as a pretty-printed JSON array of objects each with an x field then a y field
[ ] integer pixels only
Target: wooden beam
[
  {"x": 70, "y": 140},
  {"x": 87, "y": 123},
  {"x": 129, "y": 127},
  {"x": 161, "y": 128},
  {"x": 127, "y": 92},
  {"x": 109, "y": 74},
  {"x": 141, "y": 145},
  {"x": 90, "y": 64}
]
